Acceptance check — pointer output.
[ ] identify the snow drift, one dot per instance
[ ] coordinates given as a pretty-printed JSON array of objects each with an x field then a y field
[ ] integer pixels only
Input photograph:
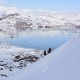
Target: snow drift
[{"x": 61, "y": 64}]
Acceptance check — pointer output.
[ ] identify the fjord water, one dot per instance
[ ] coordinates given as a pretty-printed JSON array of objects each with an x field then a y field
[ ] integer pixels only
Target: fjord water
[{"x": 38, "y": 39}]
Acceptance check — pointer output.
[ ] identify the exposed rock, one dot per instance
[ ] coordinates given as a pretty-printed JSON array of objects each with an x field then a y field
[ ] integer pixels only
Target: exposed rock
[{"x": 22, "y": 25}]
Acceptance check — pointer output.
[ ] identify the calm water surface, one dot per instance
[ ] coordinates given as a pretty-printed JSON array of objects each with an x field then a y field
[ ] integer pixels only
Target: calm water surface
[{"x": 37, "y": 39}]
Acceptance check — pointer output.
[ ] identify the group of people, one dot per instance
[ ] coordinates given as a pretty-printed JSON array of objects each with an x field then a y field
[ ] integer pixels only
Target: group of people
[{"x": 47, "y": 52}]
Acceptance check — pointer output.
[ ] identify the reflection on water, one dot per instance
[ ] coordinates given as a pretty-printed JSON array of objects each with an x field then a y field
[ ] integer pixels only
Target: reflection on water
[{"x": 38, "y": 39}]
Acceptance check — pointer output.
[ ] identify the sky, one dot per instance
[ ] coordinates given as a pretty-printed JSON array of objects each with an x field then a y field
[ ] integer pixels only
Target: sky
[{"x": 52, "y": 5}]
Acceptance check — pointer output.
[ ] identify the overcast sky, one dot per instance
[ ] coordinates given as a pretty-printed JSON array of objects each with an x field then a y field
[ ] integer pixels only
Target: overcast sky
[{"x": 55, "y": 5}]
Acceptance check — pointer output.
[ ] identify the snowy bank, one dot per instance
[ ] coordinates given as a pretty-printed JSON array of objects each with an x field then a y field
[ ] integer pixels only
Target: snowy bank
[
  {"x": 9, "y": 61},
  {"x": 61, "y": 64}
]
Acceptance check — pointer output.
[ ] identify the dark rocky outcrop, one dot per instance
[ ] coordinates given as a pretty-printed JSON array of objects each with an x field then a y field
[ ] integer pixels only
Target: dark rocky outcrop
[
  {"x": 29, "y": 58},
  {"x": 22, "y": 25}
]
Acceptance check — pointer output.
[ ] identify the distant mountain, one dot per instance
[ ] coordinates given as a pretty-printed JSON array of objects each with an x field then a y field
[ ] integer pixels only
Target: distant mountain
[{"x": 12, "y": 18}]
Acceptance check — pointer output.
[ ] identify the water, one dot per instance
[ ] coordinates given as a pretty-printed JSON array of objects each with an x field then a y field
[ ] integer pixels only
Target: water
[{"x": 38, "y": 39}]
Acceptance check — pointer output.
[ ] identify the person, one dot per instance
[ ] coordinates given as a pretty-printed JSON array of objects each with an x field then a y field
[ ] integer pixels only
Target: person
[
  {"x": 49, "y": 50},
  {"x": 45, "y": 53}
]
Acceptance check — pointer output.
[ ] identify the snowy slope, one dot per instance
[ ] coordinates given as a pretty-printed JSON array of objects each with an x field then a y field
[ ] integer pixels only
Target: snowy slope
[
  {"x": 12, "y": 18},
  {"x": 61, "y": 64},
  {"x": 8, "y": 61}
]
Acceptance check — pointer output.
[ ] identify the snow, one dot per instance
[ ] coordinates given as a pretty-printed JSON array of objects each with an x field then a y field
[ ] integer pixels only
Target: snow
[
  {"x": 37, "y": 19},
  {"x": 7, "y": 56},
  {"x": 62, "y": 64}
]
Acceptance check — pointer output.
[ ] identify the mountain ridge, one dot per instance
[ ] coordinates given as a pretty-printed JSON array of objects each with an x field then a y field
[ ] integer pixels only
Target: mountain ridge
[{"x": 12, "y": 18}]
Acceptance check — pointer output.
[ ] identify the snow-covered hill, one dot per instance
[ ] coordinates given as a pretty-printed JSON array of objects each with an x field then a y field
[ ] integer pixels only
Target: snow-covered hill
[
  {"x": 61, "y": 64},
  {"x": 12, "y": 19}
]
